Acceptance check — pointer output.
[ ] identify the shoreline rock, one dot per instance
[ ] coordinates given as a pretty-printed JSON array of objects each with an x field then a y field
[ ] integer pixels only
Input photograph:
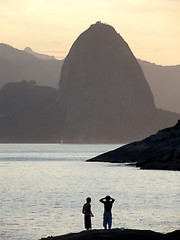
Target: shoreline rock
[
  {"x": 160, "y": 151},
  {"x": 115, "y": 234}
]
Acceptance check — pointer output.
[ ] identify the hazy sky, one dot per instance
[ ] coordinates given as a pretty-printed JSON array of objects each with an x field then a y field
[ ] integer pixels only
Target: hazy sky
[{"x": 150, "y": 27}]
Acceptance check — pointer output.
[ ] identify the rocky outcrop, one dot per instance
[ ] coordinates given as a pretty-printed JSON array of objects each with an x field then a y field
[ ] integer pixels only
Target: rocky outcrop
[
  {"x": 103, "y": 91},
  {"x": 159, "y": 151},
  {"x": 115, "y": 234}
]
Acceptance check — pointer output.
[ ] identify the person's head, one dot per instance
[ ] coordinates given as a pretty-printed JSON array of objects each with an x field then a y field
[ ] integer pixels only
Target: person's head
[
  {"x": 107, "y": 198},
  {"x": 88, "y": 200}
]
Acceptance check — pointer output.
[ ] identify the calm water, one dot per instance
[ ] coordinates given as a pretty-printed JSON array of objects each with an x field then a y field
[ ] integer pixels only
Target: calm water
[{"x": 43, "y": 188}]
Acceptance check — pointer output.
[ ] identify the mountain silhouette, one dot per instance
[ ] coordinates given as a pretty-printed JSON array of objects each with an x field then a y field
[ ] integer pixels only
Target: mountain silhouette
[
  {"x": 17, "y": 65},
  {"x": 163, "y": 80},
  {"x": 29, "y": 113},
  {"x": 103, "y": 95},
  {"x": 165, "y": 84},
  {"x": 103, "y": 91},
  {"x": 39, "y": 55}
]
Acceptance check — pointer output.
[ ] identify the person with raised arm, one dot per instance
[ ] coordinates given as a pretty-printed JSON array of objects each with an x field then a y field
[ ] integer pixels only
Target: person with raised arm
[{"x": 107, "y": 217}]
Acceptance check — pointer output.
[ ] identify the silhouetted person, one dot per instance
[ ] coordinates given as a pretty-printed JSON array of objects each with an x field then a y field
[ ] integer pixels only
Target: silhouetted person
[
  {"x": 87, "y": 213},
  {"x": 108, "y": 202}
]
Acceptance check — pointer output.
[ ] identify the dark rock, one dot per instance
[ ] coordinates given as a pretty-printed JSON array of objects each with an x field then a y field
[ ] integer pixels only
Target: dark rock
[
  {"x": 117, "y": 234},
  {"x": 172, "y": 235},
  {"x": 159, "y": 151}
]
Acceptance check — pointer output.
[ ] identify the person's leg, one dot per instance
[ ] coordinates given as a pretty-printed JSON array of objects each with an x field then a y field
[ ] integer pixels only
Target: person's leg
[
  {"x": 109, "y": 220},
  {"x": 87, "y": 222},
  {"x": 105, "y": 221}
]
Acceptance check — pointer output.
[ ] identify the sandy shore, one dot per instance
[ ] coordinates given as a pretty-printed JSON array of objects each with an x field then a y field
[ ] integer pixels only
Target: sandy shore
[{"x": 117, "y": 234}]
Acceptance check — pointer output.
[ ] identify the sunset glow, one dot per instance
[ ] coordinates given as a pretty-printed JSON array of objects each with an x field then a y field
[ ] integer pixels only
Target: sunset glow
[{"x": 151, "y": 28}]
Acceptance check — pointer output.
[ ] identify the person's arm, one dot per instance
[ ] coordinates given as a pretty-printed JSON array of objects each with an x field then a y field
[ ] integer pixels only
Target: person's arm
[
  {"x": 91, "y": 214},
  {"x": 102, "y": 200},
  {"x": 83, "y": 210},
  {"x": 112, "y": 199}
]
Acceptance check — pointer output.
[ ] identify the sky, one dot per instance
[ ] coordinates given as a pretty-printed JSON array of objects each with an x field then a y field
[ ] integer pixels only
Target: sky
[{"x": 150, "y": 27}]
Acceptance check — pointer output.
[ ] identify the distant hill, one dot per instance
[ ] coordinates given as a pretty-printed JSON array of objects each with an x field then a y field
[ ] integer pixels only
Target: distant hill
[
  {"x": 28, "y": 113},
  {"x": 17, "y": 65},
  {"x": 38, "y": 55},
  {"x": 165, "y": 84}
]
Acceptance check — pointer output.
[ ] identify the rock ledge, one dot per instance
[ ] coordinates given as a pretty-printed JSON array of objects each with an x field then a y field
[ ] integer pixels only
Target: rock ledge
[
  {"x": 158, "y": 151},
  {"x": 115, "y": 234}
]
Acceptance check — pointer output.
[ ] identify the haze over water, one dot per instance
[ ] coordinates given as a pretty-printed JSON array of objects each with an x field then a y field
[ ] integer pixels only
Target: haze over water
[{"x": 43, "y": 188}]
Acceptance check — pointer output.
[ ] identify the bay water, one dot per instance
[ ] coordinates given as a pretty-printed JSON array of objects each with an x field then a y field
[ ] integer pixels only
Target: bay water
[{"x": 44, "y": 186}]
